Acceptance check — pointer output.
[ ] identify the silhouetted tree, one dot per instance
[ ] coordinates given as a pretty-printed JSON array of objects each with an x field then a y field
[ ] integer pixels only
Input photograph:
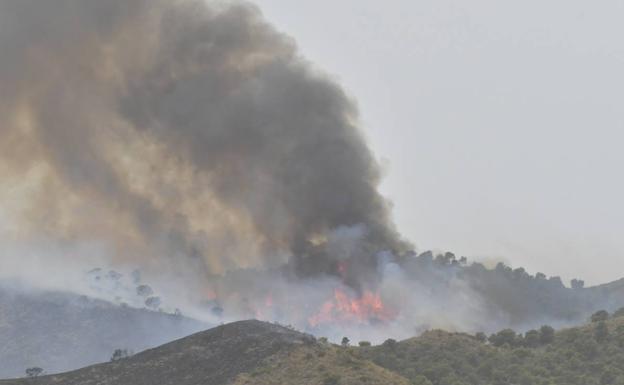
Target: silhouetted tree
[
  {"x": 153, "y": 302},
  {"x": 34, "y": 372},
  {"x": 120, "y": 354},
  {"x": 144, "y": 290},
  {"x": 345, "y": 341}
]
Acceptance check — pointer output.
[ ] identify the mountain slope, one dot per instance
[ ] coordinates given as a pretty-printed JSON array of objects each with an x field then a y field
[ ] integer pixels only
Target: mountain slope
[
  {"x": 244, "y": 352},
  {"x": 258, "y": 353},
  {"x": 62, "y": 331}
]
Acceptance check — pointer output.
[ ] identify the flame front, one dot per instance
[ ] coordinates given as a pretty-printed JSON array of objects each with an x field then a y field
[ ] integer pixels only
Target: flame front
[{"x": 367, "y": 308}]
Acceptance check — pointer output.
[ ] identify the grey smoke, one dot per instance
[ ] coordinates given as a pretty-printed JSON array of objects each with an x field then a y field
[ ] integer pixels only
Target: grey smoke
[{"x": 186, "y": 134}]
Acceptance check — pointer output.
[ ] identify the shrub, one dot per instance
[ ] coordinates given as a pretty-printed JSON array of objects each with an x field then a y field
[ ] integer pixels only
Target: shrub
[{"x": 600, "y": 316}]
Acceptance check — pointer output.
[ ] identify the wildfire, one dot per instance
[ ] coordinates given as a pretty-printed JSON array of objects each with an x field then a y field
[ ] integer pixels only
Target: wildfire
[{"x": 342, "y": 308}]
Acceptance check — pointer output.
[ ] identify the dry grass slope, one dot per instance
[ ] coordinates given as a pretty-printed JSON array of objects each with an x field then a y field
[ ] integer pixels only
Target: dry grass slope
[{"x": 320, "y": 364}]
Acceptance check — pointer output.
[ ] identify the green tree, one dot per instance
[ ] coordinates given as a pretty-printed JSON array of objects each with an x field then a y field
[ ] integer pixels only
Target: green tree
[
  {"x": 532, "y": 338},
  {"x": 506, "y": 336},
  {"x": 547, "y": 335}
]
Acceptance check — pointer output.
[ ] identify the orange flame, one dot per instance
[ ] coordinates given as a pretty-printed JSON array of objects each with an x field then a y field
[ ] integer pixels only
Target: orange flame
[{"x": 342, "y": 308}]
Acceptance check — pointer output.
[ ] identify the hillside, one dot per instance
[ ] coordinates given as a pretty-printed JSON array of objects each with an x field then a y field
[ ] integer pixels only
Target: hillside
[
  {"x": 259, "y": 353},
  {"x": 61, "y": 331},
  {"x": 244, "y": 352},
  {"x": 506, "y": 297},
  {"x": 589, "y": 355}
]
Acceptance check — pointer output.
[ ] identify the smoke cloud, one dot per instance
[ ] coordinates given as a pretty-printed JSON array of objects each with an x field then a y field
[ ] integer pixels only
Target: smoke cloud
[{"x": 184, "y": 135}]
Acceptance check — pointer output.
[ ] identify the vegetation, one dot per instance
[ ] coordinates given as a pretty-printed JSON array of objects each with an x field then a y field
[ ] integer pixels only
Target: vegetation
[
  {"x": 321, "y": 364},
  {"x": 589, "y": 355},
  {"x": 120, "y": 354},
  {"x": 512, "y": 297}
]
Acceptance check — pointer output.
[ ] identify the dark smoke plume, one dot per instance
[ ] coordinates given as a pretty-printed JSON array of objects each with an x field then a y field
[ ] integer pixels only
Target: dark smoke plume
[{"x": 180, "y": 130}]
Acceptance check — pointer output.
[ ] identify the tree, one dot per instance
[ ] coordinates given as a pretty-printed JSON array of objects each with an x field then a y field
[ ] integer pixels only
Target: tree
[
  {"x": 144, "y": 290},
  {"x": 120, "y": 354},
  {"x": 547, "y": 335},
  {"x": 390, "y": 343},
  {"x": 345, "y": 341},
  {"x": 506, "y": 336},
  {"x": 577, "y": 284},
  {"x": 532, "y": 338},
  {"x": 34, "y": 372},
  {"x": 153, "y": 302},
  {"x": 600, "y": 316},
  {"x": 364, "y": 344}
]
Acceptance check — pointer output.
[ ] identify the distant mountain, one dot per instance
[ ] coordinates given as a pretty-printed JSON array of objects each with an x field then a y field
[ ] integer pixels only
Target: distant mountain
[
  {"x": 259, "y": 353},
  {"x": 507, "y": 297},
  {"x": 63, "y": 331}
]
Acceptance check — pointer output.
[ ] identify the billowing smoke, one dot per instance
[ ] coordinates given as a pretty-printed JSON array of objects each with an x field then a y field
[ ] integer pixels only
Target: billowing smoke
[{"x": 180, "y": 133}]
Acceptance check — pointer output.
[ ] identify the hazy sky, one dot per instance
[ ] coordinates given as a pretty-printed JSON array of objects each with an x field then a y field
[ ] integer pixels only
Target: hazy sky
[{"x": 500, "y": 123}]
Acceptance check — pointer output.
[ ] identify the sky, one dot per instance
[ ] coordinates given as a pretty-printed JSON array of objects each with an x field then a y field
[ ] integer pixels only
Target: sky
[{"x": 499, "y": 124}]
